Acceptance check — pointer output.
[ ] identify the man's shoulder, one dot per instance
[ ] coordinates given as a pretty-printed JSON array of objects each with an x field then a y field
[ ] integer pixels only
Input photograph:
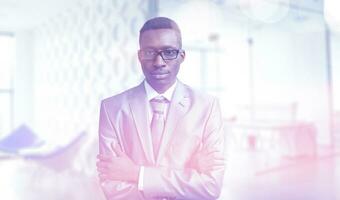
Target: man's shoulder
[{"x": 198, "y": 94}]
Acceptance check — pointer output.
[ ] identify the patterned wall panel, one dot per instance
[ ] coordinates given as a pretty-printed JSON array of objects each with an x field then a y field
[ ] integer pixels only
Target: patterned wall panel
[{"x": 83, "y": 55}]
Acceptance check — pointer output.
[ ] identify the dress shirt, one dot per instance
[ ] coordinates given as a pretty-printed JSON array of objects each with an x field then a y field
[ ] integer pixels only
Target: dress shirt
[{"x": 150, "y": 94}]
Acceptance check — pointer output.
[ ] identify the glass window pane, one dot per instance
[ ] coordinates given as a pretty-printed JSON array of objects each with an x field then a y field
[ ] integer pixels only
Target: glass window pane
[
  {"x": 191, "y": 69},
  {"x": 336, "y": 70},
  {"x": 6, "y": 60},
  {"x": 5, "y": 114}
]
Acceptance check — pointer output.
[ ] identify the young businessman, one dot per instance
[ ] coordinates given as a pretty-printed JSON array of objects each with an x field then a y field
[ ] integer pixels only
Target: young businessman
[{"x": 160, "y": 139}]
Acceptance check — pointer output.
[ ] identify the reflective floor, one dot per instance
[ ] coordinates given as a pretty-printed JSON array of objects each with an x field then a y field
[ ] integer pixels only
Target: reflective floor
[
  {"x": 299, "y": 178},
  {"x": 30, "y": 180},
  {"x": 250, "y": 175}
]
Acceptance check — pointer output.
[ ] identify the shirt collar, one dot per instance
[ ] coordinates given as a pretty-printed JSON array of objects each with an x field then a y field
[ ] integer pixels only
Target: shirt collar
[{"x": 152, "y": 93}]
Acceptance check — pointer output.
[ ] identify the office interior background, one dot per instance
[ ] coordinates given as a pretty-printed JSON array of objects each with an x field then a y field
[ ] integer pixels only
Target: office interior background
[{"x": 274, "y": 64}]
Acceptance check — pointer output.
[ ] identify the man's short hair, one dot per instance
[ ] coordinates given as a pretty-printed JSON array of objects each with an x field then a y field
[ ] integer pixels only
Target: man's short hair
[{"x": 161, "y": 23}]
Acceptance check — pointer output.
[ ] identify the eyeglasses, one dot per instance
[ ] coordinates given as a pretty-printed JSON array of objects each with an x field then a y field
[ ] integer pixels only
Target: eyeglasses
[{"x": 166, "y": 54}]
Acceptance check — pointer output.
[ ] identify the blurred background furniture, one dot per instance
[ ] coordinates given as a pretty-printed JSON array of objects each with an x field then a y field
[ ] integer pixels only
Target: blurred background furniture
[
  {"x": 274, "y": 128},
  {"x": 57, "y": 158},
  {"x": 20, "y": 138}
]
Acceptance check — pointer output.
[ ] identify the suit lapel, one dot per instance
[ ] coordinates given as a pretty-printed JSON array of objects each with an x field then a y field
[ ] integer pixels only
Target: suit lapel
[
  {"x": 178, "y": 107},
  {"x": 138, "y": 102}
]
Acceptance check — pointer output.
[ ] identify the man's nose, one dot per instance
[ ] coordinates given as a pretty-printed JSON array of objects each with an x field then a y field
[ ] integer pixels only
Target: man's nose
[{"x": 159, "y": 62}]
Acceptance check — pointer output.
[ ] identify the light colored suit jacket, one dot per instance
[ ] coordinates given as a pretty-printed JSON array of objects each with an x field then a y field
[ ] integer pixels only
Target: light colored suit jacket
[{"x": 193, "y": 123}]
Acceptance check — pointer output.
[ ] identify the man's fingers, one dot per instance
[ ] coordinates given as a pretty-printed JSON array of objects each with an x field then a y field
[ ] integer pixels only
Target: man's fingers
[
  {"x": 219, "y": 158},
  {"x": 219, "y": 162},
  {"x": 104, "y": 158},
  {"x": 102, "y": 165},
  {"x": 211, "y": 157},
  {"x": 102, "y": 170},
  {"x": 104, "y": 177},
  {"x": 216, "y": 161},
  {"x": 213, "y": 152}
]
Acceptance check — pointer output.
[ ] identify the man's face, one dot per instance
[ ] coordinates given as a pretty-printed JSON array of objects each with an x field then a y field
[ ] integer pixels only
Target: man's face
[{"x": 160, "y": 73}]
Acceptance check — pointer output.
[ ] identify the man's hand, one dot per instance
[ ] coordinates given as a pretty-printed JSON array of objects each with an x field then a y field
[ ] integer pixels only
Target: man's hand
[
  {"x": 119, "y": 168},
  {"x": 204, "y": 161}
]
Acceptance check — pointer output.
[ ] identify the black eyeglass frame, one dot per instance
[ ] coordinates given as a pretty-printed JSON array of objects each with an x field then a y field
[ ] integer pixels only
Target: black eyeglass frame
[{"x": 161, "y": 53}]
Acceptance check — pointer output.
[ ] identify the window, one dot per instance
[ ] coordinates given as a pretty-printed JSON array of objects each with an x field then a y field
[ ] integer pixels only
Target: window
[{"x": 7, "y": 58}]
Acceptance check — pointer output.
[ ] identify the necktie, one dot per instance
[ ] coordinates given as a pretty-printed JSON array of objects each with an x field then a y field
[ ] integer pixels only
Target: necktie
[{"x": 158, "y": 105}]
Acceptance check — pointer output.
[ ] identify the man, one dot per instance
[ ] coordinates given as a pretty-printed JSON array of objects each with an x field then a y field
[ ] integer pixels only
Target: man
[{"x": 161, "y": 139}]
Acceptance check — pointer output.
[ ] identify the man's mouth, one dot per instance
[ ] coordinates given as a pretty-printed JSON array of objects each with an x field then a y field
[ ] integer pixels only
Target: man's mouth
[{"x": 160, "y": 75}]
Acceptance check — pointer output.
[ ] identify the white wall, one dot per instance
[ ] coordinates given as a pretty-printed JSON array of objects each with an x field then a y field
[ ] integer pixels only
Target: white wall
[
  {"x": 23, "y": 79},
  {"x": 81, "y": 56}
]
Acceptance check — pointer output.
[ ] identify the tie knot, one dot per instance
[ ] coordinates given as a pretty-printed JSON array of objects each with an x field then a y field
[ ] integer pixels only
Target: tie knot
[{"x": 158, "y": 104}]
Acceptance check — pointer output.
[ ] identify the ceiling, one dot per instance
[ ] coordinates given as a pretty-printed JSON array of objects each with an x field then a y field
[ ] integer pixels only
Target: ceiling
[
  {"x": 285, "y": 15},
  {"x": 16, "y": 15}
]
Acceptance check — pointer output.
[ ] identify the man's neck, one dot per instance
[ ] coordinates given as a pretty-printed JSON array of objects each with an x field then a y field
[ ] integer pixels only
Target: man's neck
[{"x": 161, "y": 88}]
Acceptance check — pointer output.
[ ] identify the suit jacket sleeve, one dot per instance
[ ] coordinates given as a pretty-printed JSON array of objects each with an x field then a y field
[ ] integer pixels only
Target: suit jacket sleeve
[
  {"x": 107, "y": 135},
  {"x": 189, "y": 183}
]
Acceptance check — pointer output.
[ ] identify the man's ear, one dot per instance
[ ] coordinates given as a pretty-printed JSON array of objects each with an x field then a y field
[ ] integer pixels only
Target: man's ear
[
  {"x": 139, "y": 56},
  {"x": 182, "y": 55}
]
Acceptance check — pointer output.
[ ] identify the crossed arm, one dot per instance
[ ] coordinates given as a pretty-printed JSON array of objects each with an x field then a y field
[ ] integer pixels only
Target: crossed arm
[
  {"x": 122, "y": 168},
  {"x": 201, "y": 179}
]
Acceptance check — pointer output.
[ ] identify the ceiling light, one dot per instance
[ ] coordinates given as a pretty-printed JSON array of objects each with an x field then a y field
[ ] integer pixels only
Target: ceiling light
[
  {"x": 268, "y": 11},
  {"x": 332, "y": 14}
]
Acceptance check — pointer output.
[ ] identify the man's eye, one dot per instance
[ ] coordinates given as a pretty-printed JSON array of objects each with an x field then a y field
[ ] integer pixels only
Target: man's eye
[
  {"x": 149, "y": 52},
  {"x": 169, "y": 52}
]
